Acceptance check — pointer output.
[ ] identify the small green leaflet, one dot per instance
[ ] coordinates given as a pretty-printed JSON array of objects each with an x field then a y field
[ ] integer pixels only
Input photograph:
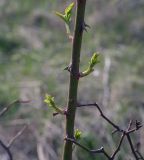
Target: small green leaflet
[
  {"x": 69, "y": 9},
  {"x": 66, "y": 17},
  {"x": 61, "y": 16},
  {"x": 77, "y": 134},
  {"x": 50, "y": 101},
  {"x": 68, "y": 12},
  {"x": 94, "y": 60}
]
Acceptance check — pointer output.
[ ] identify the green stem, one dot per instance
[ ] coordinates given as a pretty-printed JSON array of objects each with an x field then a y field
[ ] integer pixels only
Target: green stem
[{"x": 73, "y": 85}]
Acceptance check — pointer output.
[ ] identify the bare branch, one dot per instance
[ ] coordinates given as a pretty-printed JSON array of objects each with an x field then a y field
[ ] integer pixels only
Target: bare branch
[
  {"x": 17, "y": 136},
  {"x": 119, "y": 146},
  {"x": 7, "y": 150},
  {"x": 5, "y": 109},
  {"x": 140, "y": 155},
  {"x": 100, "y": 150},
  {"x": 132, "y": 147},
  {"x": 126, "y": 132},
  {"x": 2, "y": 112},
  {"x": 102, "y": 114},
  {"x": 7, "y": 147}
]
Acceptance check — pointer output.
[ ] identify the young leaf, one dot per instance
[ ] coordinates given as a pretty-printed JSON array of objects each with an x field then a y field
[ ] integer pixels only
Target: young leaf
[
  {"x": 50, "y": 101},
  {"x": 66, "y": 17},
  {"x": 61, "y": 16},
  {"x": 68, "y": 12},
  {"x": 93, "y": 61},
  {"x": 69, "y": 9},
  {"x": 77, "y": 134}
]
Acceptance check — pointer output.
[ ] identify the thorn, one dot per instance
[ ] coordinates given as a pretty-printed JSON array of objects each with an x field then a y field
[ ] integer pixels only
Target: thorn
[
  {"x": 69, "y": 137},
  {"x": 64, "y": 113},
  {"x": 68, "y": 68},
  {"x": 56, "y": 113},
  {"x": 85, "y": 26}
]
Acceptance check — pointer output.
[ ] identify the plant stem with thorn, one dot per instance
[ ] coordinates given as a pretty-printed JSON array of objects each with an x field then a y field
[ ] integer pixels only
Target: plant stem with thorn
[{"x": 73, "y": 85}]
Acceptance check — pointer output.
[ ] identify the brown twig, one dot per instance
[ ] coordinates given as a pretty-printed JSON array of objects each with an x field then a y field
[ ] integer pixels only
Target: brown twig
[
  {"x": 132, "y": 147},
  {"x": 7, "y": 147},
  {"x": 100, "y": 150},
  {"x": 6, "y": 108},
  {"x": 2, "y": 112},
  {"x": 139, "y": 154},
  {"x": 119, "y": 146},
  {"x": 17, "y": 136},
  {"x": 126, "y": 133},
  {"x": 7, "y": 150},
  {"x": 102, "y": 114}
]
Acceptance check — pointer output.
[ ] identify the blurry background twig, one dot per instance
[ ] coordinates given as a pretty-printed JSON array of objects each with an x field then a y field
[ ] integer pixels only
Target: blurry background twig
[{"x": 6, "y": 147}]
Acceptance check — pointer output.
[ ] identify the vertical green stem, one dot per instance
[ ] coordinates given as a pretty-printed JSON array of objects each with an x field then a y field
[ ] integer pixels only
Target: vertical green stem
[{"x": 73, "y": 85}]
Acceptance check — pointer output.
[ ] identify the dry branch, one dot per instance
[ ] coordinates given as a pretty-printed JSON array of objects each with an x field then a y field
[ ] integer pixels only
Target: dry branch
[{"x": 126, "y": 133}]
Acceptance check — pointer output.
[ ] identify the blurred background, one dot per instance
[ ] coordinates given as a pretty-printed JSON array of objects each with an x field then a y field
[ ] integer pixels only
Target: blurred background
[{"x": 34, "y": 50}]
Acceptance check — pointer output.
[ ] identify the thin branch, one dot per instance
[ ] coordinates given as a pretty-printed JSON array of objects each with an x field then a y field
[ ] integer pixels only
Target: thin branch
[
  {"x": 2, "y": 112},
  {"x": 132, "y": 147},
  {"x": 100, "y": 150},
  {"x": 78, "y": 144},
  {"x": 133, "y": 130},
  {"x": 140, "y": 155},
  {"x": 118, "y": 148},
  {"x": 17, "y": 136},
  {"x": 102, "y": 114},
  {"x": 121, "y": 140},
  {"x": 5, "y": 109},
  {"x": 7, "y": 147},
  {"x": 7, "y": 150},
  {"x": 126, "y": 132},
  {"x": 129, "y": 125}
]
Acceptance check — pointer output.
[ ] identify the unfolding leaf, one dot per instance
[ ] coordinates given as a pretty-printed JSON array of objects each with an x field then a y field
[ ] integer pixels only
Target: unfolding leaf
[
  {"x": 67, "y": 14},
  {"x": 94, "y": 60},
  {"x": 69, "y": 9},
  {"x": 61, "y": 16},
  {"x": 50, "y": 101},
  {"x": 77, "y": 134}
]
